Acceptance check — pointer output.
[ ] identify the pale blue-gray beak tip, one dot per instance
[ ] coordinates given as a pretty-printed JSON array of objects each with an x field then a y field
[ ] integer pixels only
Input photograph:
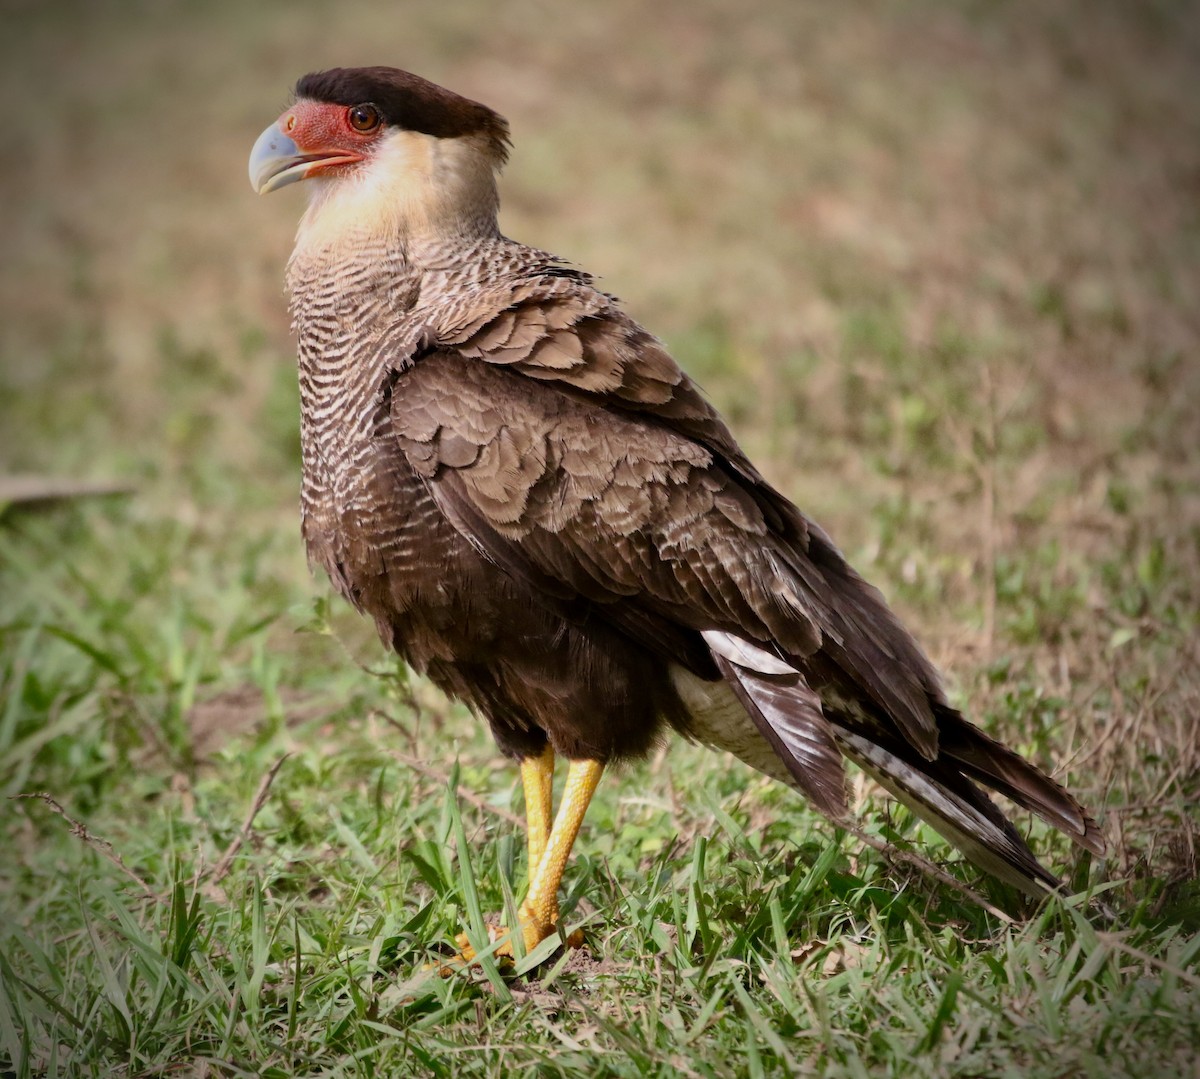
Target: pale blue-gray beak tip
[{"x": 276, "y": 161}]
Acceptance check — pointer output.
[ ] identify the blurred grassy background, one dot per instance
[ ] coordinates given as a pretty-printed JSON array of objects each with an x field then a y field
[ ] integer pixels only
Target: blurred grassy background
[{"x": 939, "y": 264}]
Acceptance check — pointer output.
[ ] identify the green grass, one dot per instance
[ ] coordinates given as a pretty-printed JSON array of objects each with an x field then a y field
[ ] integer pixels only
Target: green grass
[{"x": 937, "y": 266}]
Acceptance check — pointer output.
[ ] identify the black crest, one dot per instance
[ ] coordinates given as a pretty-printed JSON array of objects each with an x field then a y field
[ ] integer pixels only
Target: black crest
[{"x": 408, "y": 101}]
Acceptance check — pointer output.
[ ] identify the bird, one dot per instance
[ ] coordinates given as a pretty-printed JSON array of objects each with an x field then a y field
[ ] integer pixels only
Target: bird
[{"x": 543, "y": 514}]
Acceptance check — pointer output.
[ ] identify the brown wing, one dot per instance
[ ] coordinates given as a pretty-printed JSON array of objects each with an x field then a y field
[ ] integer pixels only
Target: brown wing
[{"x": 595, "y": 504}]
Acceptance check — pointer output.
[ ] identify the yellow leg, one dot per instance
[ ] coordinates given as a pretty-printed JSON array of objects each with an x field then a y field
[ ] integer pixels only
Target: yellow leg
[
  {"x": 539, "y": 911},
  {"x": 537, "y": 776}
]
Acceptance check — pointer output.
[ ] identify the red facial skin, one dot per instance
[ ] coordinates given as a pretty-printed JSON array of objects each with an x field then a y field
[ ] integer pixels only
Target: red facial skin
[{"x": 322, "y": 129}]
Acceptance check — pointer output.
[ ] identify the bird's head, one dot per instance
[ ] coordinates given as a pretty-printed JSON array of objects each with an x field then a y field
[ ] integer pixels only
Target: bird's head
[{"x": 386, "y": 150}]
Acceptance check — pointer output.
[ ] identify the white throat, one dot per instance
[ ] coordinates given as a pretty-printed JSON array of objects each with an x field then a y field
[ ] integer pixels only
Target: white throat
[{"x": 415, "y": 188}]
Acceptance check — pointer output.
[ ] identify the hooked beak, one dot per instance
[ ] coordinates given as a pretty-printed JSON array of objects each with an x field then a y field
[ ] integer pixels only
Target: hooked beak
[{"x": 277, "y": 161}]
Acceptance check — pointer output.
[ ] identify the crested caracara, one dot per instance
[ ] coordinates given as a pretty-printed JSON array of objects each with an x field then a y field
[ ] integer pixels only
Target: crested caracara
[{"x": 541, "y": 512}]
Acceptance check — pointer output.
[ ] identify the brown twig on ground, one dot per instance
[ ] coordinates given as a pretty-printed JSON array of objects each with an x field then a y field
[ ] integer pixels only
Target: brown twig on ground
[
  {"x": 459, "y": 791},
  {"x": 260, "y": 799},
  {"x": 926, "y": 866},
  {"x": 17, "y": 490},
  {"x": 102, "y": 846}
]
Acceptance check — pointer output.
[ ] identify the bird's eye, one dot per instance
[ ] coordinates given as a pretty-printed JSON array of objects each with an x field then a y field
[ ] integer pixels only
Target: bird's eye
[{"x": 363, "y": 118}]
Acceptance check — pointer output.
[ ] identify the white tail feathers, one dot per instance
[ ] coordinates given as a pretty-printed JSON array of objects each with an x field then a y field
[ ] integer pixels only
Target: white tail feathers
[{"x": 744, "y": 654}]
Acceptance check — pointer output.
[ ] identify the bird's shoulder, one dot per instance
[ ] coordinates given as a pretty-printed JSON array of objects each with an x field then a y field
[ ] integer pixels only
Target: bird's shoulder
[
  {"x": 540, "y": 316},
  {"x": 532, "y": 314}
]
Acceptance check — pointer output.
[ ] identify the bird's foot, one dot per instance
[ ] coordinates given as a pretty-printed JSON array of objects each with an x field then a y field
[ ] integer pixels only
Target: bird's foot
[{"x": 533, "y": 931}]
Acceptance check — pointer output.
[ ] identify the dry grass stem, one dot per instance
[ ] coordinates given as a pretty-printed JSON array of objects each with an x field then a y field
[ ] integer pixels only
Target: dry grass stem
[
  {"x": 256, "y": 803},
  {"x": 81, "y": 832}
]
